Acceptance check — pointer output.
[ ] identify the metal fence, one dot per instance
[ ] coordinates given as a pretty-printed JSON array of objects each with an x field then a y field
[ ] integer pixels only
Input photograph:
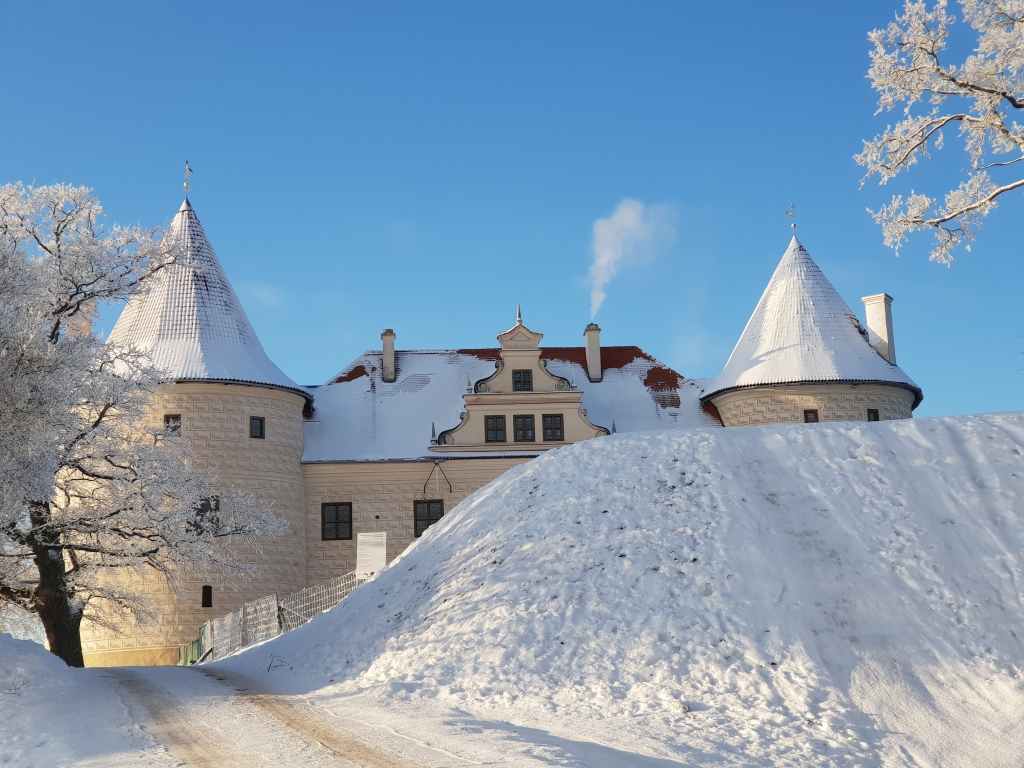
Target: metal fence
[{"x": 262, "y": 619}]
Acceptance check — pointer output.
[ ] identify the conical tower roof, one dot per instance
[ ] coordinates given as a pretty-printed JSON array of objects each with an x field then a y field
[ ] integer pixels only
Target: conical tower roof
[
  {"x": 801, "y": 332},
  {"x": 190, "y": 321}
]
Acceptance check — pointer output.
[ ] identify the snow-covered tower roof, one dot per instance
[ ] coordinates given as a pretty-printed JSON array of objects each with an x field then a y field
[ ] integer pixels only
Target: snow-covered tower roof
[
  {"x": 190, "y": 320},
  {"x": 802, "y": 331}
]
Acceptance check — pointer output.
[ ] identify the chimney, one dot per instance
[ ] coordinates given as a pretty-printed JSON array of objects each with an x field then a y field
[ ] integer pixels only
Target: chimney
[
  {"x": 593, "y": 336},
  {"x": 388, "y": 337},
  {"x": 878, "y": 309}
]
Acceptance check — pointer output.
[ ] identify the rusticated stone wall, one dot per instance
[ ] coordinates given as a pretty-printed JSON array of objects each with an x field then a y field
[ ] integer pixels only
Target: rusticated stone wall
[
  {"x": 215, "y": 419},
  {"x": 834, "y": 402},
  {"x": 382, "y": 496}
]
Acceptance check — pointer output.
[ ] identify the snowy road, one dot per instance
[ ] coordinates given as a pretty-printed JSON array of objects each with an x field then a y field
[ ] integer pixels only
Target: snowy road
[{"x": 212, "y": 722}]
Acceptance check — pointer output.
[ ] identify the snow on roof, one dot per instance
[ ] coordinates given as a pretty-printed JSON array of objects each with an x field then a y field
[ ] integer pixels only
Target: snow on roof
[
  {"x": 190, "y": 320},
  {"x": 802, "y": 331},
  {"x": 359, "y": 417}
]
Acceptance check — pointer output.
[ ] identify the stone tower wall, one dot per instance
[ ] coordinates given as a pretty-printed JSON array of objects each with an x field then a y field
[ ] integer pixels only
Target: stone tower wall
[
  {"x": 215, "y": 419},
  {"x": 834, "y": 402}
]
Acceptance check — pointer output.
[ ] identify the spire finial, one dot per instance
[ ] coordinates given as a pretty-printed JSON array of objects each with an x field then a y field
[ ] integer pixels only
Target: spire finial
[
  {"x": 188, "y": 172},
  {"x": 519, "y": 314},
  {"x": 792, "y": 215}
]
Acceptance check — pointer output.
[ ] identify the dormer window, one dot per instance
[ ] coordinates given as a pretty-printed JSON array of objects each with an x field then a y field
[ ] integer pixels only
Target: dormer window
[
  {"x": 494, "y": 429},
  {"x": 524, "y": 429},
  {"x": 522, "y": 381},
  {"x": 553, "y": 430}
]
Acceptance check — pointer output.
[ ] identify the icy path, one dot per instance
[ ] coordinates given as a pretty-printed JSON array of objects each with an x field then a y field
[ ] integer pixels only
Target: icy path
[{"x": 205, "y": 721}]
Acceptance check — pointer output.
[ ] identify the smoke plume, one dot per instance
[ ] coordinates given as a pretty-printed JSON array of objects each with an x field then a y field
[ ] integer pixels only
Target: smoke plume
[{"x": 630, "y": 234}]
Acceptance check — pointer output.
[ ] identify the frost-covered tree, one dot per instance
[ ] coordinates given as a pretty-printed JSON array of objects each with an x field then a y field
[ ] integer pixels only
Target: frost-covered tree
[
  {"x": 91, "y": 490},
  {"x": 979, "y": 98}
]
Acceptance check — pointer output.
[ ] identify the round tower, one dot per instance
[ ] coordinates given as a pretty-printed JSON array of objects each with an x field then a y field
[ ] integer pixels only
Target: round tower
[
  {"x": 805, "y": 357},
  {"x": 243, "y": 418}
]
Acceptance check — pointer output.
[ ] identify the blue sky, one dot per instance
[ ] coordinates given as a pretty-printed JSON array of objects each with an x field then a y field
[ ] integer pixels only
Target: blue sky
[{"x": 427, "y": 166}]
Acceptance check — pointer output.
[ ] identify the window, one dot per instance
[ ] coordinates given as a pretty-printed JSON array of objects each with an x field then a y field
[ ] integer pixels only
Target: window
[
  {"x": 872, "y": 414},
  {"x": 810, "y": 417},
  {"x": 553, "y": 427},
  {"x": 494, "y": 429},
  {"x": 206, "y": 519},
  {"x": 207, "y": 596},
  {"x": 524, "y": 429},
  {"x": 336, "y": 522},
  {"x": 257, "y": 427},
  {"x": 172, "y": 422},
  {"x": 425, "y": 514},
  {"x": 522, "y": 381}
]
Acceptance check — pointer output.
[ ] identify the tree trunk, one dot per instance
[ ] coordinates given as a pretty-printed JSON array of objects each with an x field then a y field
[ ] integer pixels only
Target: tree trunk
[{"x": 60, "y": 618}]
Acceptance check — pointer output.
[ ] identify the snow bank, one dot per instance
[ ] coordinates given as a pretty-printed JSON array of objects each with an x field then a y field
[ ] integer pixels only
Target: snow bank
[
  {"x": 835, "y": 594},
  {"x": 51, "y": 714}
]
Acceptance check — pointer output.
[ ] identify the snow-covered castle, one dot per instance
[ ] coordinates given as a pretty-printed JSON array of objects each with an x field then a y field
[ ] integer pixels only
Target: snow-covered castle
[{"x": 399, "y": 437}]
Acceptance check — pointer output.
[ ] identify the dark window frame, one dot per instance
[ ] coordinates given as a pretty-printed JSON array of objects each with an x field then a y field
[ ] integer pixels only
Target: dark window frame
[
  {"x": 207, "y": 599},
  {"x": 552, "y": 430},
  {"x": 262, "y": 421},
  {"x": 532, "y": 429},
  {"x": 337, "y": 506},
  {"x": 522, "y": 380},
  {"x": 500, "y": 434},
  {"x": 874, "y": 412},
  {"x": 812, "y": 412},
  {"x": 207, "y": 516},
  {"x": 172, "y": 422},
  {"x": 420, "y": 524}
]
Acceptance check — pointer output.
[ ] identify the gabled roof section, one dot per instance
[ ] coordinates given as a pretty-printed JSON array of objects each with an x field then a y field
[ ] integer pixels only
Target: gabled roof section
[
  {"x": 190, "y": 320},
  {"x": 359, "y": 417},
  {"x": 802, "y": 331}
]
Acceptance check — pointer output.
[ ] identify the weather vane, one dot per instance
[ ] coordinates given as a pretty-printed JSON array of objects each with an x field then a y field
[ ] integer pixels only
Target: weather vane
[
  {"x": 188, "y": 172},
  {"x": 792, "y": 214}
]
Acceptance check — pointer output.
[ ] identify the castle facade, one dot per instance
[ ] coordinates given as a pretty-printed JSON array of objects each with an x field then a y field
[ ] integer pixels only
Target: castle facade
[{"x": 397, "y": 438}]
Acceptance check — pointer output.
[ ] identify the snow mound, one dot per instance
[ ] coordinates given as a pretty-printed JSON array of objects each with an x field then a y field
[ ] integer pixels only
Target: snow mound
[
  {"x": 51, "y": 714},
  {"x": 835, "y": 594}
]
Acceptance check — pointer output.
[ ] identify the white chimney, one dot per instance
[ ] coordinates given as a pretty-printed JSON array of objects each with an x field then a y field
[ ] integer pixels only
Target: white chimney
[
  {"x": 388, "y": 337},
  {"x": 878, "y": 309},
  {"x": 593, "y": 336}
]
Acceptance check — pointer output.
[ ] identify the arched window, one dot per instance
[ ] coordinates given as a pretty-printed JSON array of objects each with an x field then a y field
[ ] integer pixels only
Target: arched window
[{"x": 207, "y": 596}]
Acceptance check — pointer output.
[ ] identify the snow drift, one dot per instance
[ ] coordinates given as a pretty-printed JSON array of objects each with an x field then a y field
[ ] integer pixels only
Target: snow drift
[{"x": 830, "y": 594}]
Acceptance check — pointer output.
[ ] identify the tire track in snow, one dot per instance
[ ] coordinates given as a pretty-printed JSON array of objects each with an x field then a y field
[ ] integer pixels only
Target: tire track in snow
[
  {"x": 312, "y": 723},
  {"x": 203, "y": 720}
]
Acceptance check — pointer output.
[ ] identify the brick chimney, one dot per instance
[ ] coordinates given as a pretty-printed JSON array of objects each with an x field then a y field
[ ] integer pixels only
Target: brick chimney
[
  {"x": 593, "y": 336},
  {"x": 878, "y": 309},
  {"x": 388, "y": 372}
]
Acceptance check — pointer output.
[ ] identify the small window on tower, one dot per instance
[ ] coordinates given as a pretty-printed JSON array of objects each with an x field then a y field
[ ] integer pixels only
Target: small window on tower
[
  {"x": 810, "y": 417},
  {"x": 553, "y": 427},
  {"x": 494, "y": 429},
  {"x": 872, "y": 414},
  {"x": 207, "y": 596},
  {"x": 172, "y": 422},
  {"x": 524, "y": 429},
  {"x": 522, "y": 381},
  {"x": 257, "y": 427}
]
